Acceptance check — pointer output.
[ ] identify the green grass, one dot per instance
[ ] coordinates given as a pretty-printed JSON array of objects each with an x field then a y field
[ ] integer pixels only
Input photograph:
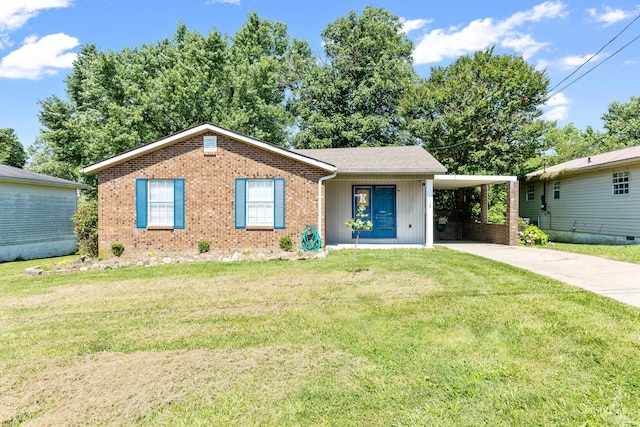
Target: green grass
[
  {"x": 418, "y": 337},
  {"x": 628, "y": 253}
]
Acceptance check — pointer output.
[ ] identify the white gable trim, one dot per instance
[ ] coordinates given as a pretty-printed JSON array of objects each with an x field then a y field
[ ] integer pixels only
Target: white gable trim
[{"x": 154, "y": 146}]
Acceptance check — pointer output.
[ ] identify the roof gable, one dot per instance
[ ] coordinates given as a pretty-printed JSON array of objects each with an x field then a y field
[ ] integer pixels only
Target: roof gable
[
  {"x": 12, "y": 174},
  {"x": 180, "y": 136},
  {"x": 596, "y": 161}
]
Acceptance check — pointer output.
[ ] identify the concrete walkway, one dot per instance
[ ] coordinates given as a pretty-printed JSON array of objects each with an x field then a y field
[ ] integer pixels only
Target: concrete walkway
[{"x": 615, "y": 279}]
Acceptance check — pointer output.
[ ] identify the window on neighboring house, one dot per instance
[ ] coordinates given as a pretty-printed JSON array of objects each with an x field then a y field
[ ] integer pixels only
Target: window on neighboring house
[
  {"x": 531, "y": 193},
  {"x": 210, "y": 144},
  {"x": 259, "y": 203},
  {"x": 160, "y": 203},
  {"x": 556, "y": 190},
  {"x": 620, "y": 183}
]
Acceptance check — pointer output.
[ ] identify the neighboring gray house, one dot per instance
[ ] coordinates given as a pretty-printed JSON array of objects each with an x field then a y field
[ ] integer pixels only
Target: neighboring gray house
[
  {"x": 593, "y": 199},
  {"x": 35, "y": 214}
]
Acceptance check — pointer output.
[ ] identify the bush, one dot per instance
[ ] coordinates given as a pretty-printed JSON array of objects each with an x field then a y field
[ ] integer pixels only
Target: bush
[
  {"x": 286, "y": 244},
  {"x": 532, "y": 235},
  {"x": 86, "y": 227},
  {"x": 117, "y": 249},
  {"x": 203, "y": 246}
]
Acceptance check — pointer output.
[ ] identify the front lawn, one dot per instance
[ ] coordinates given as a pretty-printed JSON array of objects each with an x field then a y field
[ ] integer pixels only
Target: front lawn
[
  {"x": 628, "y": 253},
  {"x": 418, "y": 337}
]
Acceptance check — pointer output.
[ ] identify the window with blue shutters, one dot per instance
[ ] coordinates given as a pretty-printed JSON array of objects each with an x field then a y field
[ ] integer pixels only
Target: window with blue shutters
[
  {"x": 160, "y": 203},
  {"x": 259, "y": 203}
]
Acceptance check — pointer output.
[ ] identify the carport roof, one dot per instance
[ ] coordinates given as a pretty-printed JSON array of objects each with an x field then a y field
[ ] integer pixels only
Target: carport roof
[{"x": 453, "y": 182}]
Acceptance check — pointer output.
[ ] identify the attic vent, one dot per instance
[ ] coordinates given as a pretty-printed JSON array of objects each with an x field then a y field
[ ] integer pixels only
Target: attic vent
[{"x": 210, "y": 144}]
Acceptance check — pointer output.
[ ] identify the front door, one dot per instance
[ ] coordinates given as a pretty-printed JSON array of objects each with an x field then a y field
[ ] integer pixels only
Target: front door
[{"x": 380, "y": 204}]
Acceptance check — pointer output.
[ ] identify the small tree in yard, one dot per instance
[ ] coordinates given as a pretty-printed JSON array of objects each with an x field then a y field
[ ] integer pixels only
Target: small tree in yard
[{"x": 357, "y": 225}]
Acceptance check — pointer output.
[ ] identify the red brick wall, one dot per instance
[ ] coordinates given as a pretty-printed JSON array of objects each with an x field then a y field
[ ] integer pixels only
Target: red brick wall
[{"x": 209, "y": 198}]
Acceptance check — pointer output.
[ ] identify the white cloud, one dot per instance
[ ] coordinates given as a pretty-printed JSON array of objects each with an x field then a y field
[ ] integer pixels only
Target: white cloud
[
  {"x": 482, "y": 33},
  {"x": 525, "y": 44},
  {"x": 39, "y": 57},
  {"x": 611, "y": 16},
  {"x": 557, "y": 99},
  {"x": 631, "y": 62},
  {"x": 15, "y": 13},
  {"x": 409, "y": 25},
  {"x": 559, "y": 109},
  {"x": 569, "y": 62},
  {"x": 223, "y": 1},
  {"x": 556, "y": 113}
]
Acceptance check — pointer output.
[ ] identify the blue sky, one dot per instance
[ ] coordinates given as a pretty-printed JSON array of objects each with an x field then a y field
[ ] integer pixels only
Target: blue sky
[{"x": 39, "y": 40}]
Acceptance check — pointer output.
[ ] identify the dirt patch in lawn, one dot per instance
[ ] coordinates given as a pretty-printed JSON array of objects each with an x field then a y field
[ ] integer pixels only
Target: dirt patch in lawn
[{"x": 116, "y": 388}]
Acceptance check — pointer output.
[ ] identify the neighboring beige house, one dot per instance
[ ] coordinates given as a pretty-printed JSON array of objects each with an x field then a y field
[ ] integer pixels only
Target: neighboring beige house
[
  {"x": 35, "y": 214},
  {"x": 594, "y": 199},
  {"x": 237, "y": 192}
]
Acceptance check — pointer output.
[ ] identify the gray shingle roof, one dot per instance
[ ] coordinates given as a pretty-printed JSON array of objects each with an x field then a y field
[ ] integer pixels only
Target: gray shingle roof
[
  {"x": 624, "y": 155},
  {"x": 389, "y": 159},
  {"x": 9, "y": 173}
]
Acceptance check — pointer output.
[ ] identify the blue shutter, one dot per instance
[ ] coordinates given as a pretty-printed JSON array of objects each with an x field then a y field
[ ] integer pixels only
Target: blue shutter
[
  {"x": 141, "y": 203},
  {"x": 178, "y": 203},
  {"x": 240, "y": 203},
  {"x": 278, "y": 203}
]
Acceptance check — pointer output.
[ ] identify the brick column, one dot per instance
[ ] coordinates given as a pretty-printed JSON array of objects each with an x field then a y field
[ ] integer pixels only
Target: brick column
[
  {"x": 512, "y": 212},
  {"x": 484, "y": 204}
]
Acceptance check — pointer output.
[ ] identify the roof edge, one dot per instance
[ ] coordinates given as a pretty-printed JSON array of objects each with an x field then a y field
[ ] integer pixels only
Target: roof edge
[
  {"x": 43, "y": 183},
  {"x": 169, "y": 140}
]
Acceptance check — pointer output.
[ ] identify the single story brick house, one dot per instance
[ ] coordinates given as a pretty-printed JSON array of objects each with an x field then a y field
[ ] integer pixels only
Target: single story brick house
[
  {"x": 237, "y": 192},
  {"x": 35, "y": 214},
  {"x": 592, "y": 199}
]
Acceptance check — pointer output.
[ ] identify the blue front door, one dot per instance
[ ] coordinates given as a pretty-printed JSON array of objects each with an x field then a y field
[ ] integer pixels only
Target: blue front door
[{"x": 380, "y": 204}]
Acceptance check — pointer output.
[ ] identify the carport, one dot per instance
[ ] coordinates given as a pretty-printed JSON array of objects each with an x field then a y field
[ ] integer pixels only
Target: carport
[{"x": 483, "y": 231}]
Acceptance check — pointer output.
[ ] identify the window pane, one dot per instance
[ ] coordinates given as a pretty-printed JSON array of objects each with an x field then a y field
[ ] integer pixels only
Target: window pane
[{"x": 160, "y": 202}]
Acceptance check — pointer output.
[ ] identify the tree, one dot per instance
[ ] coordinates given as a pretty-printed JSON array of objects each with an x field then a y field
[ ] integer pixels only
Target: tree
[
  {"x": 357, "y": 225},
  {"x": 11, "y": 150},
  {"x": 479, "y": 115},
  {"x": 120, "y": 100},
  {"x": 351, "y": 99},
  {"x": 622, "y": 124}
]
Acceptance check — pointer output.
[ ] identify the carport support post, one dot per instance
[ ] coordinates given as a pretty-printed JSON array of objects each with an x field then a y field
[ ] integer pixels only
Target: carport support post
[
  {"x": 512, "y": 212},
  {"x": 484, "y": 204},
  {"x": 428, "y": 235}
]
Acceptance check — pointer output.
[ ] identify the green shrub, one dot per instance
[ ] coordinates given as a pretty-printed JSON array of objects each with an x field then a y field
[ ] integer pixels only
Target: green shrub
[
  {"x": 286, "y": 244},
  {"x": 532, "y": 235},
  {"x": 203, "y": 246},
  {"x": 117, "y": 249},
  {"x": 86, "y": 227}
]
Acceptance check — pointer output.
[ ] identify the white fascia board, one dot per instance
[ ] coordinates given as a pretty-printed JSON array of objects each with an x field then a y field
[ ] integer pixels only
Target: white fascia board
[{"x": 198, "y": 129}]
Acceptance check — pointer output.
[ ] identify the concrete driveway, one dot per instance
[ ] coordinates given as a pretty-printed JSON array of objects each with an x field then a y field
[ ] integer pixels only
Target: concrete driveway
[{"x": 615, "y": 279}]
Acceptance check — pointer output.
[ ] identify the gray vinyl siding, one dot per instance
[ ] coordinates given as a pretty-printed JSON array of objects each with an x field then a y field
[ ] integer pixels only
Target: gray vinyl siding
[
  {"x": 587, "y": 204},
  {"x": 35, "y": 221},
  {"x": 410, "y": 209}
]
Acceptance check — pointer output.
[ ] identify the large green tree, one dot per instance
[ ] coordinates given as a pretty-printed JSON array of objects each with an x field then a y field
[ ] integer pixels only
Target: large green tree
[
  {"x": 350, "y": 99},
  {"x": 622, "y": 124},
  {"x": 120, "y": 100},
  {"x": 11, "y": 150},
  {"x": 480, "y": 114}
]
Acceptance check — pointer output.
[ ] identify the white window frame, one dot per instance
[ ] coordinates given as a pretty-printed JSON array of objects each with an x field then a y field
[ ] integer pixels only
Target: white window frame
[
  {"x": 160, "y": 202},
  {"x": 260, "y": 200},
  {"x": 620, "y": 183},
  {"x": 210, "y": 144},
  {"x": 556, "y": 190},
  {"x": 530, "y": 195}
]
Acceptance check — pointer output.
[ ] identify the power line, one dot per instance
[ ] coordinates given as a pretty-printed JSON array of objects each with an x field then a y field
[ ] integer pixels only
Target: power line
[
  {"x": 549, "y": 95},
  {"x": 594, "y": 55}
]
